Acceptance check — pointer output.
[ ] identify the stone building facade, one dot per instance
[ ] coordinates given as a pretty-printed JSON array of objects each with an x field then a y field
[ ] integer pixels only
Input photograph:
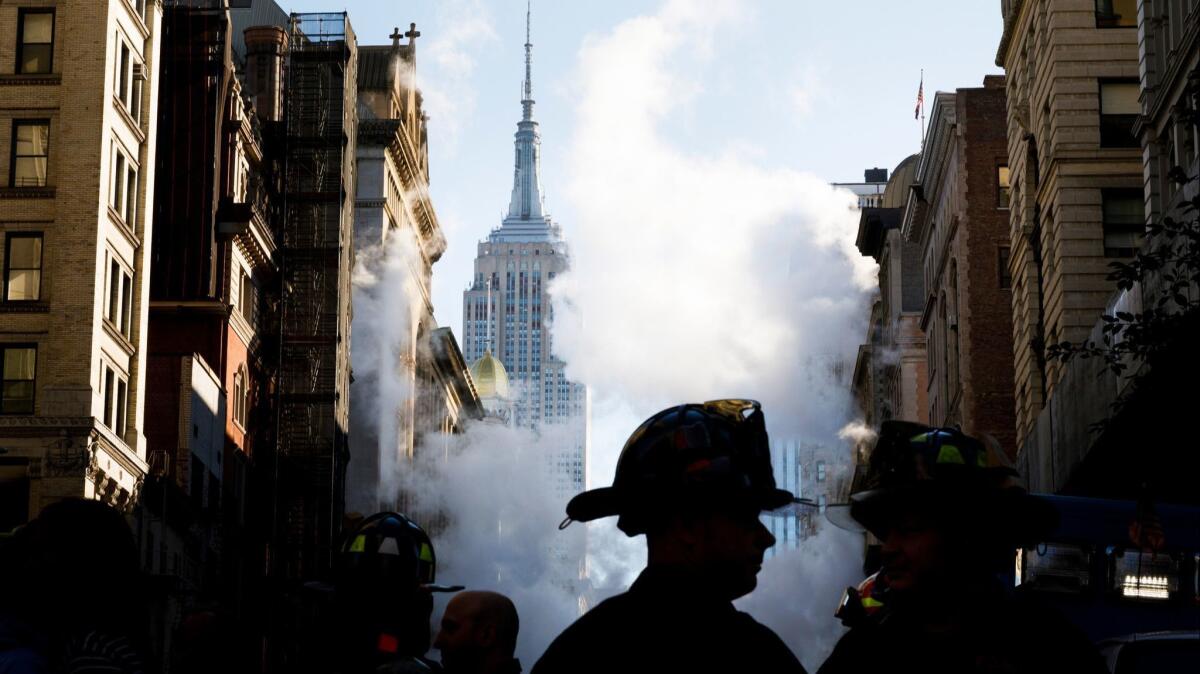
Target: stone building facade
[
  {"x": 1076, "y": 177},
  {"x": 962, "y": 231},
  {"x": 890, "y": 372},
  {"x": 78, "y": 116}
]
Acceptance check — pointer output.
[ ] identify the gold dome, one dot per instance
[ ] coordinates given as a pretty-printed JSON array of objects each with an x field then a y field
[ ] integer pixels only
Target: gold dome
[{"x": 491, "y": 379}]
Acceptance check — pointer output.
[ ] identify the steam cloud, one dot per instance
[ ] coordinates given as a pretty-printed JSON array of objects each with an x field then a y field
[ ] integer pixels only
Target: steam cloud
[{"x": 695, "y": 276}]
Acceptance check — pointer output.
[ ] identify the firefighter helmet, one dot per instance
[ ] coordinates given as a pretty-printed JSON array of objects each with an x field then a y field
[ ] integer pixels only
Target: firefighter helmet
[
  {"x": 718, "y": 449},
  {"x": 943, "y": 470},
  {"x": 389, "y": 547}
]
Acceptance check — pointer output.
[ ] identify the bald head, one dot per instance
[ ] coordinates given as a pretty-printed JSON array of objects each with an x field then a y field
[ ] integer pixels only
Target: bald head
[{"x": 478, "y": 632}]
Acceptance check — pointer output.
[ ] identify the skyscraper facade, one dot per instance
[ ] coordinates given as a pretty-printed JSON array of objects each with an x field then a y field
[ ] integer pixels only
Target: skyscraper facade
[{"x": 506, "y": 309}]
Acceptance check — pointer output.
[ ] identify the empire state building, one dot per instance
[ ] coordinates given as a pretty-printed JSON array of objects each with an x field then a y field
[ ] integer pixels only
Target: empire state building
[{"x": 507, "y": 313}]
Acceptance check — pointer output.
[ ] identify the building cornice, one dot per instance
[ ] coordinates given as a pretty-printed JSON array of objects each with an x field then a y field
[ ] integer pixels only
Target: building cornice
[{"x": 1010, "y": 25}]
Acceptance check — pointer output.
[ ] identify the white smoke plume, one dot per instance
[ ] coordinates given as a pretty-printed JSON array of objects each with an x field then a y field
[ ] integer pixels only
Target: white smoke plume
[{"x": 386, "y": 300}]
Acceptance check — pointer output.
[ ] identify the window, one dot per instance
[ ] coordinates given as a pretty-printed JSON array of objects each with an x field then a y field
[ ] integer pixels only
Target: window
[
  {"x": 1002, "y": 272},
  {"x": 246, "y": 297},
  {"x": 821, "y": 503},
  {"x": 1119, "y": 109},
  {"x": 123, "y": 74},
  {"x": 23, "y": 267},
  {"x": 35, "y": 41},
  {"x": 125, "y": 186},
  {"x": 30, "y": 153},
  {"x": 820, "y": 471},
  {"x": 1003, "y": 186},
  {"x": 116, "y": 393},
  {"x": 118, "y": 191},
  {"x": 1124, "y": 221},
  {"x": 1116, "y": 13},
  {"x": 19, "y": 375},
  {"x": 119, "y": 308},
  {"x": 240, "y": 397}
]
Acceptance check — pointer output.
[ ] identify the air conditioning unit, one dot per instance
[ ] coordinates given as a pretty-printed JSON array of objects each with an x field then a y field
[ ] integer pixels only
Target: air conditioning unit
[{"x": 139, "y": 72}]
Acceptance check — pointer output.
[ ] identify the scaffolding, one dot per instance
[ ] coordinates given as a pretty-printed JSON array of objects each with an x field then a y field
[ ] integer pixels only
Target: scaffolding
[{"x": 317, "y": 252}]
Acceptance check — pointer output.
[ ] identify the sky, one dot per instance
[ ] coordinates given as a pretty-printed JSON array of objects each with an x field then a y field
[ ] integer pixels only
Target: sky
[{"x": 827, "y": 88}]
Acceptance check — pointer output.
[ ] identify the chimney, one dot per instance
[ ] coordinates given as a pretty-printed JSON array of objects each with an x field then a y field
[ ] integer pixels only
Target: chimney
[
  {"x": 265, "y": 46},
  {"x": 993, "y": 81},
  {"x": 875, "y": 175}
]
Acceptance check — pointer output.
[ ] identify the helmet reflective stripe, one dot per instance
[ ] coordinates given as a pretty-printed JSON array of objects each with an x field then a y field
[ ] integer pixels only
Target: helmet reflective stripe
[
  {"x": 950, "y": 454},
  {"x": 359, "y": 544},
  {"x": 871, "y": 602},
  {"x": 426, "y": 554}
]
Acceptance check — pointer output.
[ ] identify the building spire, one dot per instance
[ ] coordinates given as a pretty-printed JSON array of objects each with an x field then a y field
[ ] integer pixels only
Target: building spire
[
  {"x": 527, "y": 102},
  {"x": 526, "y": 204}
]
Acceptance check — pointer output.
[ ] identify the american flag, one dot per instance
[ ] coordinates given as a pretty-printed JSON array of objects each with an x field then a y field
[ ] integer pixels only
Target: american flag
[{"x": 920, "y": 97}]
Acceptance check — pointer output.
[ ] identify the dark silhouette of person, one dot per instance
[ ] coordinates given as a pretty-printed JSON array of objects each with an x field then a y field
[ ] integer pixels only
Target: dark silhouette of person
[
  {"x": 950, "y": 517},
  {"x": 73, "y": 580},
  {"x": 478, "y": 634},
  {"x": 694, "y": 479}
]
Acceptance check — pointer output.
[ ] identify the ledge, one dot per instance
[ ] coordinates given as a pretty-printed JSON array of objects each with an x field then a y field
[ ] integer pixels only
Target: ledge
[
  {"x": 35, "y": 307},
  {"x": 26, "y": 192},
  {"x": 11, "y": 79}
]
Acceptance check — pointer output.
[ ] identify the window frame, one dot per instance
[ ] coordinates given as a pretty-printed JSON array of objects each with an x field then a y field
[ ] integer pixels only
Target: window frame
[
  {"x": 126, "y": 182},
  {"x": 1003, "y": 191},
  {"x": 8, "y": 239},
  {"x": 22, "y": 12},
  {"x": 4, "y": 348},
  {"x": 1124, "y": 144},
  {"x": 114, "y": 390},
  {"x": 118, "y": 296},
  {"x": 241, "y": 396},
  {"x": 13, "y": 156}
]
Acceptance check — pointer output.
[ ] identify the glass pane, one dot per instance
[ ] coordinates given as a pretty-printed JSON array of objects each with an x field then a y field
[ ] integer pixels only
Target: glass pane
[
  {"x": 19, "y": 363},
  {"x": 18, "y": 397},
  {"x": 1123, "y": 209},
  {"x": 25, "y": 252},
  {"x": 126, "y": 295},
  {"x": 1125, "y": 12},
  {"x": 32, "y": 139},
  {"x": 114, "y": 279},
  {"x": 29, "y": 172},
  {"x": 119, "y": 425},
  {"x": 23, "y": 285},
  {"x": 108, "y": 397},
  {"x": 1119, "y": 98},
  {"x": 130, "y": 195},
  {"x": 39, "y": 28},
  {"x": 35, "y": 58}
]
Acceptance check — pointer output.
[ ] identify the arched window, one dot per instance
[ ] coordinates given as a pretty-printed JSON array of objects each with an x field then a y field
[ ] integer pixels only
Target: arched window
[{"x": 241, "y": 396}]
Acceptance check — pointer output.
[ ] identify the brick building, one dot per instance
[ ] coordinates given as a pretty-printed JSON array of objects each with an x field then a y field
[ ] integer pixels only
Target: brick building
[
  {"x": 213, "y": 289},
  {"x": 78, "y": 98},
  {"x": 958, "y": 216}
]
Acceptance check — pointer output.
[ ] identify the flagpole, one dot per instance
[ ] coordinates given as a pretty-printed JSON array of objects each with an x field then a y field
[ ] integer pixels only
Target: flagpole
[{"x": 922, "y": 109}]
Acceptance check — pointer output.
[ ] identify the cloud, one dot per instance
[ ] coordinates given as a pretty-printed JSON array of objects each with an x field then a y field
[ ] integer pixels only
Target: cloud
[{"x": 446, "y": 66}]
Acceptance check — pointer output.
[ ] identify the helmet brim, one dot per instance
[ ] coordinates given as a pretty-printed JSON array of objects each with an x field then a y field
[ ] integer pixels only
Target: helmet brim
[
  {"x": 611, "y": 502},
  {"x": 1009, "y": 512}
]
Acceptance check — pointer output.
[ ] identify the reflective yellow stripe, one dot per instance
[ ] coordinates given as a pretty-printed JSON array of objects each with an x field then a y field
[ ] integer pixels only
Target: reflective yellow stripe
[
  {"x": 869, "y": 602},
  {"x": 359, "y": 544},
  {"x": 950, "y": 454},
  {"x": 426, "y": 553}
]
